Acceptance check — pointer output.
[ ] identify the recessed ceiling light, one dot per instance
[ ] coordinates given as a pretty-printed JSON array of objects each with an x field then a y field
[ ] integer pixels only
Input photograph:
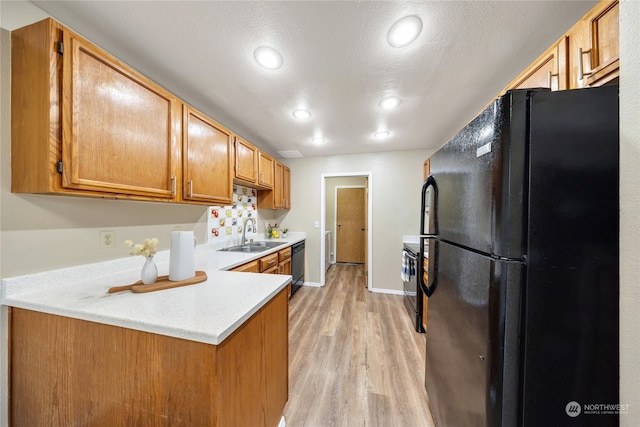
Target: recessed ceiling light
[
  {"x": 317, "y": 140},
  {"x": 268, "y": 58},
  {"x": 382, "y": 134},
  {"x": 390, "y": 102},
  {"x": 404, "y": 31},
  {"x": 301, "y": 114}
]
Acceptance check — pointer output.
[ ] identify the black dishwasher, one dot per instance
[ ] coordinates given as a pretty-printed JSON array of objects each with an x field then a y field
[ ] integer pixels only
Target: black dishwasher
[{"x": 297, "y": 266}]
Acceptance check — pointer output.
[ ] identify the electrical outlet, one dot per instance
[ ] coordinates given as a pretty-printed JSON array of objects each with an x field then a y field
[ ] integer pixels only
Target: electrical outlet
[{"x": 107, "y": 239}]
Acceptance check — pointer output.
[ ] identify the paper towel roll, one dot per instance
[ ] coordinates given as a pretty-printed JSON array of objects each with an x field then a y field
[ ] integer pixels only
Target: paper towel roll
[{"x": 182, "y": 260}]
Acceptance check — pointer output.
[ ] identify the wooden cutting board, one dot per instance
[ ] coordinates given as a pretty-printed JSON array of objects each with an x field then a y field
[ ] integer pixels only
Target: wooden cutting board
[{"x": 163, "y": 282}]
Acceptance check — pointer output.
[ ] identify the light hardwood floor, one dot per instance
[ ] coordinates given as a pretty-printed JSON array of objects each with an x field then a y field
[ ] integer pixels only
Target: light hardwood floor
[{"x": 354, "y": 358}]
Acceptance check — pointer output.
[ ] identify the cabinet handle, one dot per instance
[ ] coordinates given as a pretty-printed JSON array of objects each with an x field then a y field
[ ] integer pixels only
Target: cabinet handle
[
  {"x": 190, "y": 188},
  {"x": 581, "y": 73},
  {"x": 550, "y": 76},
  {"x": 256, "y": 174},
  {"x": 174, "y": 187}
]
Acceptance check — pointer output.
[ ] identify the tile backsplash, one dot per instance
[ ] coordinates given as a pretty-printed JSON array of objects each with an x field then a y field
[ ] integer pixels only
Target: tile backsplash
[{"x": 225, "y": 223}]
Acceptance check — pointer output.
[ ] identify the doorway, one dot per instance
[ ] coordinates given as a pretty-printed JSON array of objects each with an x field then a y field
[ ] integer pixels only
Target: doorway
[{"x": 357, "y": 188}]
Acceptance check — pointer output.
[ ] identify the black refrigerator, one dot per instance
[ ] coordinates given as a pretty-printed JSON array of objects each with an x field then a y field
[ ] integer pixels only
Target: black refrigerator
[{"x": 522, "y": 236}]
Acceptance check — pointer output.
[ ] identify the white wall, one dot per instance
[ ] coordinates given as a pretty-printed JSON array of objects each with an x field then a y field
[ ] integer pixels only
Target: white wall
[
  {"x": 630, "y": 210},
  {"x": 396, "y": 183}
]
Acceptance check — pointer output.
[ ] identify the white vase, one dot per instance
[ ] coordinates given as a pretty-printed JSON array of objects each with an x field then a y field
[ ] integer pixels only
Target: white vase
[{"x": 149, "y": 273}]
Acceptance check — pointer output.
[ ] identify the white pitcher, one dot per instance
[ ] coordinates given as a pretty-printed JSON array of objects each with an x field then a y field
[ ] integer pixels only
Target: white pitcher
[{"x": 182, "y": 260}]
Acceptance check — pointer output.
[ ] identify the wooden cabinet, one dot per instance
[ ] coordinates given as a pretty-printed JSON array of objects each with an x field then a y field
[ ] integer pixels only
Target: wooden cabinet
[
  {"x": 253, "y": 167},
  {"x": 68, "y": 371},
  {"x": 594, "y": 46},
  {"x": 587, "y": 55},
  {"x": 275, "y": 263},
  {"x": 207, "y": 159},
  {"x": 550, "y": 70},
  {"x": 284, "y": 260},
  {"x": 250, "y": 267},
  {"x": 280, "y": 196},
  {"x": 265, "y": 170},
  {"x": 83, "y": 123},
  {"x": 246, "y": 161},
  {"x": 268, "y": 262},
  {"x": 286, "y": 187}
]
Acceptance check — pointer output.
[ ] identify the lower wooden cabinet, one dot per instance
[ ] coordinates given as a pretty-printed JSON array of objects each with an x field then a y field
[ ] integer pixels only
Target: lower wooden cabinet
[
  {"x": 268, "y": 262},
  {"x": 66, "y": 371},
  {"x": 275, "y": 263},
  {"x": 250, "y": 267}
]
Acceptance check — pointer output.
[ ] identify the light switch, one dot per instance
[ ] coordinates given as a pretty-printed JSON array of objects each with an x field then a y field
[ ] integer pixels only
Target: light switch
[{"x": 316, "y": 224}]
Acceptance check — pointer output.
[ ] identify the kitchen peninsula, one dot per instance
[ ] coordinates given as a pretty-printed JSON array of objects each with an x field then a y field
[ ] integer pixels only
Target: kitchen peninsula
[{"x": 213, "y": 353}]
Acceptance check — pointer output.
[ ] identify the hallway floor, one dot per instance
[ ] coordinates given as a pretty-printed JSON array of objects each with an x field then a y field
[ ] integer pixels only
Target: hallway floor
[{"x": 354, "y": 358}]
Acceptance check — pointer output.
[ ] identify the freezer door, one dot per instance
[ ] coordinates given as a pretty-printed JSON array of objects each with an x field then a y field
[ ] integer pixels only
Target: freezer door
[
  {"x": 472, "y": 339},
  {"x": 479, "y": 174}
]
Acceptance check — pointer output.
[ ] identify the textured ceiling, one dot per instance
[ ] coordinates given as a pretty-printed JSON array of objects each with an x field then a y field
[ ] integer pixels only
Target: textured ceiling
[{"x": 337, "y": 62}]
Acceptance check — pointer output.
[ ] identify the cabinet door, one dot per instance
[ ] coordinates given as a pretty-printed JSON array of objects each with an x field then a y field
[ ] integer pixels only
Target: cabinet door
[
  {"x": 246, "y": 161},
  {"x": 286, "y": 187},
  {"x": 278, "y": 198},
  {"x": 120, "y": 131},
  {"x": 265, "y": 170},
  {"x": 549, "y": 70},
  {"x": 595, "y": 46},
  {"x": 285, "y": 266},
  {"x": 207, "y": 162}
]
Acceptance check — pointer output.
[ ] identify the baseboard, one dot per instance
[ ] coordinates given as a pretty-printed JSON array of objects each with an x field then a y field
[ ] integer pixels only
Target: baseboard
[
  {"x": 312, "y": 284},
  {"x": 387, "y": 291}
]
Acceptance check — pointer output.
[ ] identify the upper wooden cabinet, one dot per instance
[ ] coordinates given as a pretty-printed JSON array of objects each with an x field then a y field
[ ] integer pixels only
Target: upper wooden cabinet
[
  {"x": 253, "y": 167},
  {"x": 83, "y": 123},
  {"x": 587, "y": 55},
  {"x": 207, "y": 159},
  {"x": 550, "y": 70},
  {"x": 286, "y": 187},
  {"x": 246, "y": 159},
  {"x": 594, "y": 46},
  {"x": 280, "y": 196},
  {"x": 265, "y": 170}
]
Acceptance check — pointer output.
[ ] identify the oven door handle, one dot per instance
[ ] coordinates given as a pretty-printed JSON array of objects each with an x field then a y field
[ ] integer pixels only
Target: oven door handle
[{"x": 410, "y": 255}]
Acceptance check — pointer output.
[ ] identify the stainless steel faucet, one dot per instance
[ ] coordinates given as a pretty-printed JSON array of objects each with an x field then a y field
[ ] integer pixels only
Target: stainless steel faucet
[{"x": 244, "y": 229}]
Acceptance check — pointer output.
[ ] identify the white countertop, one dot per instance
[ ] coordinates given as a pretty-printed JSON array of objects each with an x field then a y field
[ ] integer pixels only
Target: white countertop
[{"x": 206, "y": 312}]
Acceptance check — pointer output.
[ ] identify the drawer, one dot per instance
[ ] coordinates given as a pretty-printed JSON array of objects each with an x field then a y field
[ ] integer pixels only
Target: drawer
[
  {"x": 284, "y": 254},
  {"x": 268, "y": 261},
  {"x": 250, "y": 267}
]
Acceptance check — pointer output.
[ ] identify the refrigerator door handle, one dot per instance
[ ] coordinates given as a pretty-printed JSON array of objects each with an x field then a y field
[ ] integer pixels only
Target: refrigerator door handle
[
  {"x": 433, "y": 258},
  {"x": 430, "y": 288},
  {"x": 429, "y": 182}
]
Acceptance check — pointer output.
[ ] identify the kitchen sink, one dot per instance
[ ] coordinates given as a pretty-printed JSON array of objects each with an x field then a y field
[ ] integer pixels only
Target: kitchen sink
[{"x": 252, "y": 247}]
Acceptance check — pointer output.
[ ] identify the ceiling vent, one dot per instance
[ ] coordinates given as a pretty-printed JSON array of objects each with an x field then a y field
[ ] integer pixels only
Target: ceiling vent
[{"x": 290, "y": 154}]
